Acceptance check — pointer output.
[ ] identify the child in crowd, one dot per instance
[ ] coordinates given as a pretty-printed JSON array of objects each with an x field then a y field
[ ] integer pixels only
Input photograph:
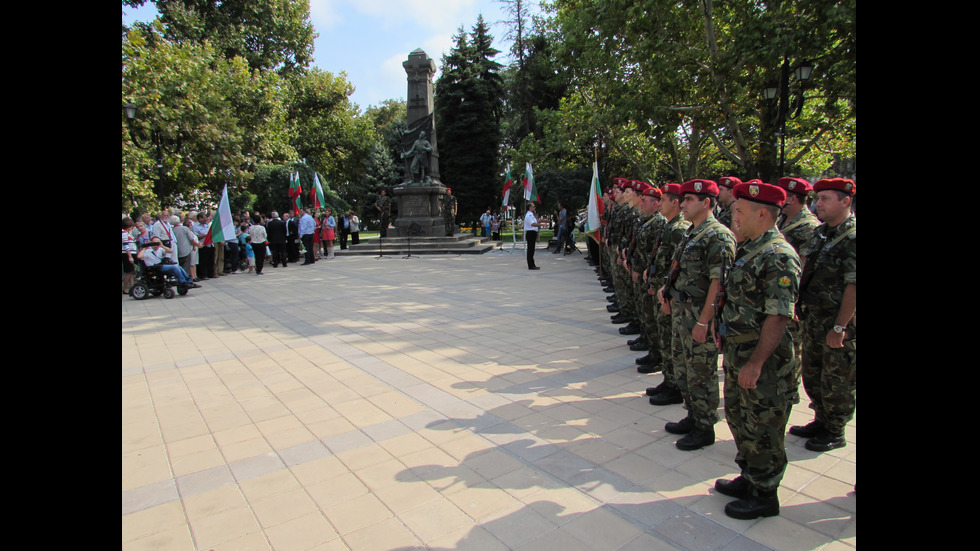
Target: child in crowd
[{"x": 249, "y": 254}]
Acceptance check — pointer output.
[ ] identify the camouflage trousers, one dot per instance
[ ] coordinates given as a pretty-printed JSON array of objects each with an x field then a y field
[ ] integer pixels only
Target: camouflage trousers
[
  {"x": 695, "y": 366},
  {"x": 663, "y": 341},
  {"x": 624, "y": 292},
  {"x": 450, "y": 224},
  {"x": 829, "y": 374},
  {"x": 758, "y": 417},
  {"x": 648, "y": 306}
]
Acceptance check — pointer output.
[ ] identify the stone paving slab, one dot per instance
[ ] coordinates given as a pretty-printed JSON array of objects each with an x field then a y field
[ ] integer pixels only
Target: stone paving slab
[{"x": 434, "y": 402}]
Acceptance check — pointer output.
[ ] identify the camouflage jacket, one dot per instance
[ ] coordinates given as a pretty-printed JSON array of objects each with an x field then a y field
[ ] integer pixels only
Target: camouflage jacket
[
  {"x": 646, "y": 236},
  {"x": 831, "y": 264},
  {"x": 724, "y": 215},
  {"x": 383, "y": 203},
  {"x": 798, "y": 230},
  {"x": 665, "y": 245},
  {"x": 702, "y": 256},
  {"x": 448, "y": 205},
  {"x": 763, "y": 281}
]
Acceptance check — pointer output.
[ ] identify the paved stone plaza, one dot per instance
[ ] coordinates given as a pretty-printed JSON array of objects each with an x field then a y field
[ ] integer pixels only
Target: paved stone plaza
[{"x": 433, "y": 402}]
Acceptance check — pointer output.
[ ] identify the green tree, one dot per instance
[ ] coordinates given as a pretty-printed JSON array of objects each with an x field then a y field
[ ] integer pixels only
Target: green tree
[
  {"x": 468, "y": 104},
  {"x": 180, "y": 92},
  {"x": 689, "y": 77},
  {"x": 272, "y": 35}
]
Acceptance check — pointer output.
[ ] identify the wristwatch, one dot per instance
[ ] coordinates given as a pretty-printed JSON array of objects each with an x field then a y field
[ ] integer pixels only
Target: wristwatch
[{"x": 839, "y": 329}]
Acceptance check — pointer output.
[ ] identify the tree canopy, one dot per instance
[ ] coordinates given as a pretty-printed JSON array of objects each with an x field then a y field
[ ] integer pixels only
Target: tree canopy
[{"x": 221, "y": 88}]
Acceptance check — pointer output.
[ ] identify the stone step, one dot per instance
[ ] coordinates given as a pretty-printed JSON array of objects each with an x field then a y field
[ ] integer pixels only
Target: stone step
[{"x": 461, "y": 243}]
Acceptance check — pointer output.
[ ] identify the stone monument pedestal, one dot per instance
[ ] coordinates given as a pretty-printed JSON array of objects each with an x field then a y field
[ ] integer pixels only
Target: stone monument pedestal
[{"x": 419, "y": 204}]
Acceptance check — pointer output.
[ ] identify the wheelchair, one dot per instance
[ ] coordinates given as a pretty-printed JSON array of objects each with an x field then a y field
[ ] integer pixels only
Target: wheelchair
[{"x": 151, "y": 281}]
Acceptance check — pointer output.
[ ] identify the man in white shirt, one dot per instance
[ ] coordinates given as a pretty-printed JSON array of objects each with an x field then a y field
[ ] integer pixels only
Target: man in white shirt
[
  {"x": 165, "y": 231},
  {"x": 205, "y": 254},
  {"x": 153, "y": 256},
  {"x": 307, "y": 225},
  {"x": 531, "y": 226}
]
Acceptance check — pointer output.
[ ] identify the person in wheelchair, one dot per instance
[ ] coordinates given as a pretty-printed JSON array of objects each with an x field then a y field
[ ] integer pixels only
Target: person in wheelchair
[{"x": 153, "y": 256}]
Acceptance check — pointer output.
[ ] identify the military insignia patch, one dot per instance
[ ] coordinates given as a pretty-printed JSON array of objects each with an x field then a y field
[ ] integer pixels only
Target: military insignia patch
[
  {"x": 754, "y": 190},
  {"x": 784, "y": 281},
  {"x": 697, "y": 186}
]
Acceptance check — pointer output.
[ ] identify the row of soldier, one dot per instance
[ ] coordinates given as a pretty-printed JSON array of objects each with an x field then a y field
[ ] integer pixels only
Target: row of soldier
[{"x": 748, "y": 272}]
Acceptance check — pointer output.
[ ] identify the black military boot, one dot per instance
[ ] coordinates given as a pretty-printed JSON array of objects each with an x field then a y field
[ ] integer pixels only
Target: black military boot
[
  {"x": 620, "y": 318},
  {"x": 761, "y": 504},
  {"x": 684, "y": 426},
  {"x": 638, "y": 344},
  {"x": 652, "y": 358},
  {"x": 697, "y": 439},
  {"x": 668, "y": 396},
  {"x": 739, "y": 487},
  {"x": 654, "y": 390},
  {"x": 612, "y": 308},
  {"x": 649, "y": 368},
  {"x": 632, "y": 329},
  {"x": 809, "y": 430},
  {"x": 825, "y": 441}
]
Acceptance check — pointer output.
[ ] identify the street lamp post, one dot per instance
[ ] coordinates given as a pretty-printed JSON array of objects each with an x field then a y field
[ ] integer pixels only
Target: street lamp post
[
  {"x": 156, "y": 140},
  {"x": 786, "y": 106}
]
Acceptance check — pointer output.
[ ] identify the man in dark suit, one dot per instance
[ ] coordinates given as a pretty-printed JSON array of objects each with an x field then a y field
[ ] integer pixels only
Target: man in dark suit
[
  {"x": 343, "y": 224},
  {"x": 276, "y": 229},
  {"x": 292, "y": 238}
]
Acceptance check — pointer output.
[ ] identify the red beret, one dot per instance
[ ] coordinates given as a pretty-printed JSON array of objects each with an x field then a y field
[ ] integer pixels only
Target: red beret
[
  {"x": 760, "y": 192},
  {"x": 639, "y": 186},
  {"x": 701, "y": 187},
  {"x": 673, "y": 188},
  {"x": 652, "y": 191},
  {"x": 798, "y": 186},
  {"x": 837, "y": 184},
  {"x": 729, "y": 181},
  {"x": 621, "y": 183}
]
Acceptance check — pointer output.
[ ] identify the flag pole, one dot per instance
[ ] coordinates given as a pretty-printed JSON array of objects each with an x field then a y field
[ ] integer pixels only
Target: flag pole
[{"x": 595, "y": 151}]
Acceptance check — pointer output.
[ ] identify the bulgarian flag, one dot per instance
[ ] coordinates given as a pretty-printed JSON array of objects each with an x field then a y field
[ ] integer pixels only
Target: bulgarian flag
[
  {"x": 222, "y": 227},
  {"x": 593, "y": 223},
  {"x": 507, "y": 185},
  {"x": 295, "y": 192},
  {"x": 316, "y": 194},
  {"x": 530, "y": 189}
]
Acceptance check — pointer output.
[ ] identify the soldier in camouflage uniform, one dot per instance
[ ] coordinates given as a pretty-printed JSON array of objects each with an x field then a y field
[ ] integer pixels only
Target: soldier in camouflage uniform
[
  {"x": 761, "y": 375},
  {"x": 623, "y": 218},
  {"x": 723, "y": 211},
  {"x": 383, "y": 206},
  {"x": 828, "y": 307},
  {"x": 638, "y": 259},
  {"x": 631, "y": 227},
  {"x": 675, "y": 227},
  {"x": 610, "y": 240},
  {"x": 449, "y": 212},
  {"x": 699, "y": 263},
  {"x": 796, "y": 222}
]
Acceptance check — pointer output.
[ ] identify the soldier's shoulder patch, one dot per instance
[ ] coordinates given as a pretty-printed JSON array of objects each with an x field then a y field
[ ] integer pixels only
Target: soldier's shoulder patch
[{"x": 784, "y": 281}]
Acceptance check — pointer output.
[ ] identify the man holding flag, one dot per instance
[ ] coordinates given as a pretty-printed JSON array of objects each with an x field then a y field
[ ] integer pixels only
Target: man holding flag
[{"x": 222, "y": 229}]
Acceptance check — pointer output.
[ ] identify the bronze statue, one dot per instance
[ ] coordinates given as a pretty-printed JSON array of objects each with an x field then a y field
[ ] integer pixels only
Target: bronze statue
[{"x": 420, "y": 158}]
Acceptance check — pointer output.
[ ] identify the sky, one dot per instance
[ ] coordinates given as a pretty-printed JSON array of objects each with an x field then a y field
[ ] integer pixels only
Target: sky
[{"x": 369, "y": 39}]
